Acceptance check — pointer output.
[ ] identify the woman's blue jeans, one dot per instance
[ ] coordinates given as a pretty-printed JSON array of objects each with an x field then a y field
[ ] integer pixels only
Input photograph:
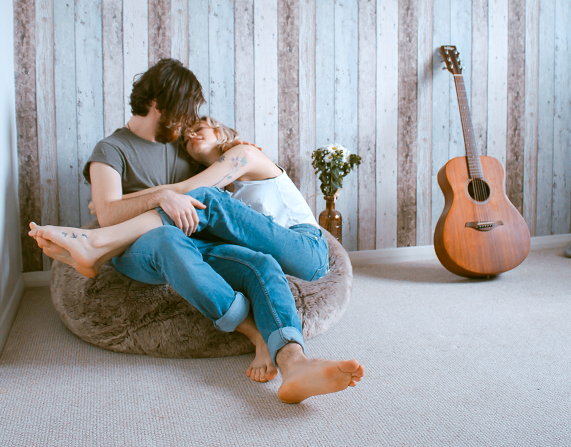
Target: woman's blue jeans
[{"x": 235, "y": 253}]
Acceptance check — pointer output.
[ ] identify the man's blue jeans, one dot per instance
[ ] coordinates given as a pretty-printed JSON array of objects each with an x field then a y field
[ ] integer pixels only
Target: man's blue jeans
[{"x": 235, "y": 253}]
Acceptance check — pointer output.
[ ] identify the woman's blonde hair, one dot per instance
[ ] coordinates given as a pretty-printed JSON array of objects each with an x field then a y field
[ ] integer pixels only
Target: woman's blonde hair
[{"x": 226, "y": 135}]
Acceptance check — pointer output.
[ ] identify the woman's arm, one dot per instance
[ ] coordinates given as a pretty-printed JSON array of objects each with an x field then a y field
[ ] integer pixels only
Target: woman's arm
[{"x": 244, "y": 162}]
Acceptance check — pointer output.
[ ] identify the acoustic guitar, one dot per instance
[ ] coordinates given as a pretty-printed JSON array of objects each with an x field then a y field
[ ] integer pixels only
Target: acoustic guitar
[{"x": 480, "y": 233}]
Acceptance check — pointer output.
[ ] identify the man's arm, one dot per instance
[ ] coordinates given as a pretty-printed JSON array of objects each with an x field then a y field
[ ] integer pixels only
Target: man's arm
[{"x": 111, "y": 208}]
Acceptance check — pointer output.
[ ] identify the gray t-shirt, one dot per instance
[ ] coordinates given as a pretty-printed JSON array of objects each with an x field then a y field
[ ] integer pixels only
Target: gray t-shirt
[{"x": 141, "y": 163}]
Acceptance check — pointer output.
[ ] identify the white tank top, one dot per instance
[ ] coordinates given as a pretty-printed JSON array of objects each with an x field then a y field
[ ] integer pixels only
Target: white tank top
[{"x": 276, "y": 197}]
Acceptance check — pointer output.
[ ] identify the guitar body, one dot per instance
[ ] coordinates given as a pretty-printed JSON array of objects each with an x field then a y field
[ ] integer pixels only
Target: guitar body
[{"x": 472, "y": 252}]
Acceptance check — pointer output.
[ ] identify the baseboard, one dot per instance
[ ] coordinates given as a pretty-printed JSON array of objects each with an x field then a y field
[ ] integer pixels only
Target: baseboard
[
  {"x": 556, "y": 240},
  {"x": 9, "y": 314},
  {"x": 38, "y": 279},
  {"x": 390, "y": 255},
  {"x": 405, "y": 254}
]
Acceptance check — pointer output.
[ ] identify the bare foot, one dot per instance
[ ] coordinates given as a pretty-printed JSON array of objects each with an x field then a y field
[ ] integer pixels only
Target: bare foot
[
  {"x": 303, "y": 377},
  {"x": 262, "y": 369},
  {"x": 73, "y": 246},
  {"x": 61, "y": 254}
]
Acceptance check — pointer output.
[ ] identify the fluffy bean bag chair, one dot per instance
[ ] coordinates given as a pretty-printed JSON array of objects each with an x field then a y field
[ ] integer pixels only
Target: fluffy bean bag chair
[{"x": 117, "y": 313}]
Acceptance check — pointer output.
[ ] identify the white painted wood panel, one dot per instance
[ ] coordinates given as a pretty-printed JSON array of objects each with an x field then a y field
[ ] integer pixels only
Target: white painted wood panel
[
  {"x": 479, "y": 73},
  {"x": 198, "y": 47},
  {"x": 244, "y": 68},
  {"x": 45, "y": 97},
  {"x": 346, "y": 110},
  {"x": 497, "y": 79},
  {"x": 179, "y": 31},
  {"x": 266, "y": 76},
  {"x": 387, "y": 122},
  {"x": 135, "y": 45},
  {"x": 65, "y": 113},
  {"x": 307, "y": 100},
  {"x": 113, "y": 88},
  {"x": 325, "y": 82},
  {"x": 461, "y": 36},
  {"x": 531, "y": 113},
  {"x": 89, "y": 85},
  {"x": 221, "y": 57},
  {"x": 545, "y": 118},
  {"x": 367, "y": 182},
  {"x": 441, "y": 82},
  {"x": 424, "y": 120},
  {"x": 561, "y": 222}
]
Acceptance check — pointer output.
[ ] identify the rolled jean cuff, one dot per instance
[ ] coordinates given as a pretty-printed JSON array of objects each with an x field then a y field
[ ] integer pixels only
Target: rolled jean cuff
[
  {"x": 235, "y": 315},
  {"x": 165, "y": 217},
  {"x": 278, "y": 339}
]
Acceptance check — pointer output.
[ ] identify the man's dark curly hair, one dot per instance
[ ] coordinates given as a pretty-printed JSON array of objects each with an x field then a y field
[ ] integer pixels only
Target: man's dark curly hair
[{"x": 175, "y": 89}]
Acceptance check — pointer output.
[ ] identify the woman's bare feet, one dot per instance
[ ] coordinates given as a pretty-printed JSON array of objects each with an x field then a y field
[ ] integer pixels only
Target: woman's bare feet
[
  {"x": 303, "y": 377},
  {"x": 60, "y": 254},
  {"x": 262, "y": 369},
  {"x": 73, "y": 246}
]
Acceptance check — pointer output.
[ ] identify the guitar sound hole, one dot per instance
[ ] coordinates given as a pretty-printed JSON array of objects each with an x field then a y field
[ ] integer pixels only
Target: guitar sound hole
[{"x": 478, "y": 190}]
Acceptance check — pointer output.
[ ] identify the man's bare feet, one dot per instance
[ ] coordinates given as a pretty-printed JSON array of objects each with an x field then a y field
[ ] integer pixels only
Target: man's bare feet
[
  {"x": 303, "y": 377},
  {"x": 262, "y": 369},
  {"x": 73, "y": 246}
]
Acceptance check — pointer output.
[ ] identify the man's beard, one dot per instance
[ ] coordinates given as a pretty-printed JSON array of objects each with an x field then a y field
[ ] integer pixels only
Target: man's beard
[{"x": 167, "y": 131}]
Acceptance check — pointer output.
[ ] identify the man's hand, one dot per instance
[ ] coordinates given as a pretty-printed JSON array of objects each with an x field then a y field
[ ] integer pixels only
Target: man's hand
[
  {"x": 239, "y": 142},
  {"x": 181, "y": 209}
]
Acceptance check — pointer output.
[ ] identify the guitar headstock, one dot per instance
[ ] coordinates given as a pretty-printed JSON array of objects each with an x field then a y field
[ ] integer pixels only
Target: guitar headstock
[{"x": 451, "y": 59}]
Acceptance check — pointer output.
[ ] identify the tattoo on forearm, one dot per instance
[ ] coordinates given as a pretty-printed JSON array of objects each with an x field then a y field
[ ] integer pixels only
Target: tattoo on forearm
[
  {"x": 235, "y": 164},
  {"x": 84, "y": 236},
  {"x": 73, "y": 236},
  {"x": 64, "y": 234}
]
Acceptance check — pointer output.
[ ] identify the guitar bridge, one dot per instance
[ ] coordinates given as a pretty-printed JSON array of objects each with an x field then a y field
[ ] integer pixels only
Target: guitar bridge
[{"x": 484, "y": 226}]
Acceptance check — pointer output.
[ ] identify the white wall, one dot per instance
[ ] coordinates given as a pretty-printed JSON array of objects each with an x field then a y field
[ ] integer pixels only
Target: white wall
[{"x": 11, "y": 277}]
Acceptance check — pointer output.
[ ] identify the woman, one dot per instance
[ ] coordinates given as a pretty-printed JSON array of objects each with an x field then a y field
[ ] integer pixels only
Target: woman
[{"x": 257, "y": 181}]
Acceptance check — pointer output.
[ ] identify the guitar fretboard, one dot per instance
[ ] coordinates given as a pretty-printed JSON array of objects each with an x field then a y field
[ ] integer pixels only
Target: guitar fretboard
[{"x": 474, "y": 165}]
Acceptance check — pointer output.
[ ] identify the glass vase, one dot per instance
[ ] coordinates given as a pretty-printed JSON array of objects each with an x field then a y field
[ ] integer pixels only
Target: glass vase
[{"x": 331, "y": 219}]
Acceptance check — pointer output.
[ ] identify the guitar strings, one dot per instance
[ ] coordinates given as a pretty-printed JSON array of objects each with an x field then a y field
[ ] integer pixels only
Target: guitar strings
[{"x": 476, "y": 174}]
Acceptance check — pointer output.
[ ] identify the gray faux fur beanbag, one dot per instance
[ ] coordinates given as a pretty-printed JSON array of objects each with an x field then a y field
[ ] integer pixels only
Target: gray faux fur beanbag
[{"x": 116, "y": 313}]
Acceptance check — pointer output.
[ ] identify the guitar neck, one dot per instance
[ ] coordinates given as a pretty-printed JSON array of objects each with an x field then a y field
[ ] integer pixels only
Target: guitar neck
[{"x": 474, "y": 165}]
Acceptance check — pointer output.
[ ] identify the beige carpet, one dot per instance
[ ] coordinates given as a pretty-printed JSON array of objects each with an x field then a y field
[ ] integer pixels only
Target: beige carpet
[{"x": 449, "y": 362}]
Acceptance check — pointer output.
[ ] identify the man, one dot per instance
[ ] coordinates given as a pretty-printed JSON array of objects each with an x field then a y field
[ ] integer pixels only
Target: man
[{"x": 214, "y": 276}]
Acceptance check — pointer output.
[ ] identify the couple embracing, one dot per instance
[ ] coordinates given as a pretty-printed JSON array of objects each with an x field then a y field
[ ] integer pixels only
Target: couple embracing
[{"x": 156, "y": 190}]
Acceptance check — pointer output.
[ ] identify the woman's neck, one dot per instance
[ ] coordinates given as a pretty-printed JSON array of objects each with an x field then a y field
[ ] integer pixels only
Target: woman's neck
[{"x": 211, "y": 157}]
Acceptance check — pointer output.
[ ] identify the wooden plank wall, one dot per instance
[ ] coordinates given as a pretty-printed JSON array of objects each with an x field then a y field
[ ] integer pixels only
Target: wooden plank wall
[{"x": 294, "y": 75}]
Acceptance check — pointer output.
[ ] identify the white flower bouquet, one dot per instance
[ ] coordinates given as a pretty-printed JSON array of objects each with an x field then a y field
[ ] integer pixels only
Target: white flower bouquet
[{"x": 332, "y": 163}]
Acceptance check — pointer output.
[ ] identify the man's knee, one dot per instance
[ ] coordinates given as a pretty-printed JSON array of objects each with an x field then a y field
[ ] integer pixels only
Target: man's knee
[{"x": 264, "y": 265}]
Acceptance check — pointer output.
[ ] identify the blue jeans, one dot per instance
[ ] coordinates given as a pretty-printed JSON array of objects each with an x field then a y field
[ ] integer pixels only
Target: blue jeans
[{"x": 235, "y": 253}]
